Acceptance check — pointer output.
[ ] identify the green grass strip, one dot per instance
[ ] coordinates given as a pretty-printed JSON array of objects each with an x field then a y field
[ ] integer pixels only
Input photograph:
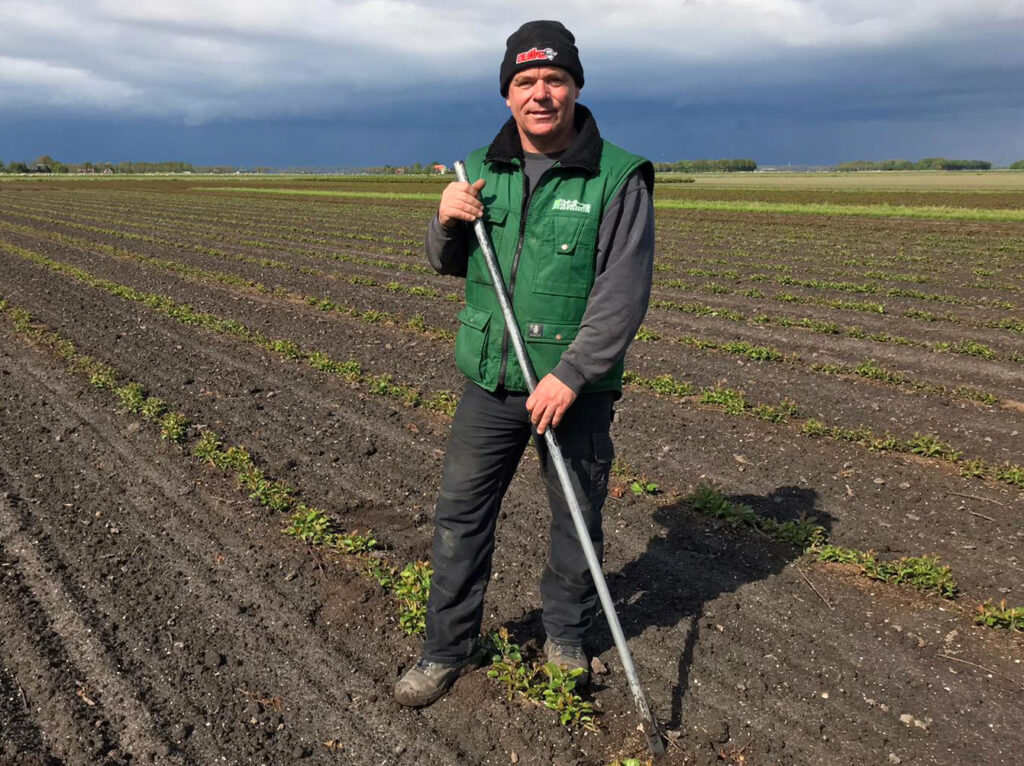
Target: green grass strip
[
  {"x": 859, "y": 211},
  {"x": 325, "y": 192},
  {"x": 789, "y": 208}
]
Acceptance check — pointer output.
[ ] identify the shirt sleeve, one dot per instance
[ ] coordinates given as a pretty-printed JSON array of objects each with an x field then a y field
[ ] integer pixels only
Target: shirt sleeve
[
  {"x": 622, "y": 287},
  {"x": 448, "y": 249}
]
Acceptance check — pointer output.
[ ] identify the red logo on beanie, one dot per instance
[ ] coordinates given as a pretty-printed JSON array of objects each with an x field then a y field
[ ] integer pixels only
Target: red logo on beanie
[{"x": 535, "y": 55}]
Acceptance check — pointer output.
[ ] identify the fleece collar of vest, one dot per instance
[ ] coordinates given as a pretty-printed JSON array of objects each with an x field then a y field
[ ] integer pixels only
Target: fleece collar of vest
[{"x": 584, "y": 153}]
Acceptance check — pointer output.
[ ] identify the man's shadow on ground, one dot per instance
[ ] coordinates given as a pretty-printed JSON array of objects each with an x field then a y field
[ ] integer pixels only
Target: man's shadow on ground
[{"x": 692, "y": 561}]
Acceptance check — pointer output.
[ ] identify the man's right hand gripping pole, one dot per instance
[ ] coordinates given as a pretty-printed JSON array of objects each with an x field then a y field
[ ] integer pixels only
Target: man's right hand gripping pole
[{"x": 460, "y": 202}]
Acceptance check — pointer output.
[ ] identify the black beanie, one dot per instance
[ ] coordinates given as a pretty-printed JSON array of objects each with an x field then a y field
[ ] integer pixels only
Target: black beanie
[{"x": 540, "y": 43}]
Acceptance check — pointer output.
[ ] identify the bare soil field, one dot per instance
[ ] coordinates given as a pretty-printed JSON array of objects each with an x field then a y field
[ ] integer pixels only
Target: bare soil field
[{"x": 862, "y": 376}]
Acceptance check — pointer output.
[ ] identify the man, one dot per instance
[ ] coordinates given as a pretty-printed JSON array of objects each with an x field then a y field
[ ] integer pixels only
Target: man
[{"x": 571, "y": 220}]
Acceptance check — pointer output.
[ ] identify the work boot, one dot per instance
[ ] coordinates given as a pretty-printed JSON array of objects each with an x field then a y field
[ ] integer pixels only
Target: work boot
[
  {"x": 569, "y": 657},
  {"x": 426, "y": 682}
]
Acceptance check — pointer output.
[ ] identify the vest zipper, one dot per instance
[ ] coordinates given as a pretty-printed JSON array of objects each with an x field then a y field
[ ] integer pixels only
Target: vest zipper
[{"x": 524, "y": 210}]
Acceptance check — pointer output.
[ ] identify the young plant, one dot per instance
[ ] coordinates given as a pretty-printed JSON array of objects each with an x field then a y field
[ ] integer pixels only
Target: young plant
[
  {"x": 1007, "y": 618},
  {"x": 559, "y": 694},
  {"x": 543, "y": 684},
  {"x": 132, "y": 397},
  {"x": 922, "y": 572},
  {"x": 153, "y": 408},
  {"x": 412, "y": 588},
  {"x": 311, "y": 525},
  {"x": 731, "y": 401},
  {"x": 642, "y": 487},
  {"x": 173, "y": 426}
]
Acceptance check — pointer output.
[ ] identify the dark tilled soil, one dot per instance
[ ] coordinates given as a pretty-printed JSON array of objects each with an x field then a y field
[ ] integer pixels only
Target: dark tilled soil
[{"x": 153, "y": 614}]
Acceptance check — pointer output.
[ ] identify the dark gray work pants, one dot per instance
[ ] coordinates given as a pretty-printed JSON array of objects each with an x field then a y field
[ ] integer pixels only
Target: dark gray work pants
[{"x": 488, "y": 436}]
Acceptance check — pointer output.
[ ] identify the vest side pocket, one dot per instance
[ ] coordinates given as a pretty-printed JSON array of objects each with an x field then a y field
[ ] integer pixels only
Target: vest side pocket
[
  {"x": 471, "y": 342},
  {"x": 546, "y": 342}
]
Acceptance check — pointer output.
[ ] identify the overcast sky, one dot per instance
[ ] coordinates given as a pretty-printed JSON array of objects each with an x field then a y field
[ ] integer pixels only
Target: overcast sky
[{"x": 329, "y": 82}]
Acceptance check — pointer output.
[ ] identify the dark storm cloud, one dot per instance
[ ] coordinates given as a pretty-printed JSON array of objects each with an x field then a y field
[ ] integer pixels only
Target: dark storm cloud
[{"x": 321, "y": 82}]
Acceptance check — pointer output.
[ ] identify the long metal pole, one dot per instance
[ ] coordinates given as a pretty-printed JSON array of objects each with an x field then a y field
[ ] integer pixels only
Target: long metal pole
[{"x": 650, "y": 726}]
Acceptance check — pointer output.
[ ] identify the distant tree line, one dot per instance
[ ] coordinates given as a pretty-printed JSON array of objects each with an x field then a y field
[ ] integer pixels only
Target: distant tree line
[
  {"x": 706, "y": 166},
  {"x": 415, "y": 169},
  {"x": 47, "y": 164},
  {"x": 928, "y": 163},
  {"x": 1018, "y": 165}
]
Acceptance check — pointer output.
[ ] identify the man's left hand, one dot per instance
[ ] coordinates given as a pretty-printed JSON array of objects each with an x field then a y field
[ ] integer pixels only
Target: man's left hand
[{"x": 548, "y": 403}]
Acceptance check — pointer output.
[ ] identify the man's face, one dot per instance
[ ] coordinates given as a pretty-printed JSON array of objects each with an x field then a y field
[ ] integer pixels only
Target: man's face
[{"x": 543, "y": 102}]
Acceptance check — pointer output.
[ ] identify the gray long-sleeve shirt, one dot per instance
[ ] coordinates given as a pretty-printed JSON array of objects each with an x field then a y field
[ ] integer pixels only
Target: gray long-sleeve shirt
[{"x": 623, "y": 271}]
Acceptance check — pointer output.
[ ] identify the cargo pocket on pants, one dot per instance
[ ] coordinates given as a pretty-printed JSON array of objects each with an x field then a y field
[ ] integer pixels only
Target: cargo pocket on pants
[{"x": 604, "y": 455}]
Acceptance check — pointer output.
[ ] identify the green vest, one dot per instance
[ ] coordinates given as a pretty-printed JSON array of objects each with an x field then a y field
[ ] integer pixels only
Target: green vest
[{"x": 547, "y": 263}]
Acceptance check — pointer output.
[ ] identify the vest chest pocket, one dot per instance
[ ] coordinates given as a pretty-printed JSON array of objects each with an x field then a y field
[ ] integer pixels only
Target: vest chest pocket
[
  {"x": 566, "y": 264},
  {"x": 495, "y": 220}
]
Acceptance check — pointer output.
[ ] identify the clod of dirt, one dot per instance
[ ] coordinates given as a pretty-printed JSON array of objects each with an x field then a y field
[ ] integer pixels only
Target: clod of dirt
[
  {"x": 718, "y": 734},
  {"x": 599, "y": 668}
]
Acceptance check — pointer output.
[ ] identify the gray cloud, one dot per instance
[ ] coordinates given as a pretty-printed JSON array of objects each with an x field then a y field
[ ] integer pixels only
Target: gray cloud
[
  {"x": 197, "y": 60},
  {"x": 946, "y": 67}
]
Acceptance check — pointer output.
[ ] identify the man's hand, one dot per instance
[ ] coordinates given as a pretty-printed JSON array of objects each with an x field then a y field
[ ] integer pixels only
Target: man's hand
[
  {"x": 548, "y": 403},
  {"x": 460, "y": 202}
]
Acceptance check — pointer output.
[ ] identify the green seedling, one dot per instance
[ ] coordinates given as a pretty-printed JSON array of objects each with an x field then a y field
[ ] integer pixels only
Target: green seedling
[
  {"x": 731, "y": 401},
  {"x": 412, "y": 589},
  {"x": 559, "y": 694},
  {"x": 922, "y": 572},
  {"x": 802, "y": 532},
  {"x": 444, "y": 402},
  {"x": 928, "y": 445},
  {"x": 778, "y": 413},
  {"x": 541, "y": 683},
  {"x": 973, "y": 469},
  {"x": 311, "y": 525},
  {"x": 173, "y": 426},
  {"x": 287, "y": 348},
  {"x": 153, "y": 408},
  {"x": 269, "y": 493},
  {"x": 132, "y": 397},
  {"x": 1006, "y": 618},
  {"x": 643, "y": 488},
  {"x": 1010, "y": 473}
]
